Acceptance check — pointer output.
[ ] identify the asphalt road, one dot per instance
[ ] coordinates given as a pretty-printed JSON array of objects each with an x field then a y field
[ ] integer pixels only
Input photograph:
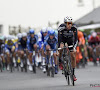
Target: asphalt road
[{"x": 39, "y": 81}]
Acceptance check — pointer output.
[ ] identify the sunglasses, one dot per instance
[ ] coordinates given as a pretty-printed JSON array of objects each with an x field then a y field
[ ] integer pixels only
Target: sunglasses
[
  {"x": 69, "y": 23},
  {"x": 44, "y": 32},
  {"x": 51, "y": 35}
]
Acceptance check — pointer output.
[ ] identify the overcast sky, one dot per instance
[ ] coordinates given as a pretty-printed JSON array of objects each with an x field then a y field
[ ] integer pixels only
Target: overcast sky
[{"x": 39, "y": 12}]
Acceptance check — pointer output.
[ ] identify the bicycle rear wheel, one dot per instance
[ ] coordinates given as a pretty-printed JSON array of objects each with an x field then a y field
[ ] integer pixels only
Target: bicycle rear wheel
[
  {"x": 52, "y": 71},
  {"x": 52, "y": 68},
  {"x": 34, "y": 65},
  {"x": 71, "y": 74}
]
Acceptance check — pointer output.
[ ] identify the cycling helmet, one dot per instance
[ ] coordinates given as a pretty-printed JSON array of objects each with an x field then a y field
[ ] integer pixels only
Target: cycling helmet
[
  {"x": 24, "y": 34},
  {"x": 68, "y": 19},
  {"x": 49, "y": 29},
  {"x": 19, "y": 35},
  {"x": 52, "y": 32},
  {"x": 31, "y": 31},
  {"x": 44, "y": 30},
  {"x": 94, "y": 34}
]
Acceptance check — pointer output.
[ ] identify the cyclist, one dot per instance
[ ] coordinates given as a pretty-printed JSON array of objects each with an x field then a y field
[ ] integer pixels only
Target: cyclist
[
  {"x": 50, "y": 43},
  {"x": 2, "y": 48},
  {"x": 44, "y": 35},
  {"x": 94, "y": 41},
  {"x": 81, "y": 43},
  {"x": 22, "y": 45},
  {"x": 9, "y": 48},
  {"x": 67, "y": 32},
  {"x": 40, "y": 48},
  {"x": 31, "y": 45}
]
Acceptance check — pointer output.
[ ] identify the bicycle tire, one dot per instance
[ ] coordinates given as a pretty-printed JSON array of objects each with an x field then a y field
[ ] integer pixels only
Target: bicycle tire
[
  {"x": 52, "y": 71},
  {"x": 70, "y": 70},
  {"x": 52, "y": 68},
  {"x": 1, "y": 67}
]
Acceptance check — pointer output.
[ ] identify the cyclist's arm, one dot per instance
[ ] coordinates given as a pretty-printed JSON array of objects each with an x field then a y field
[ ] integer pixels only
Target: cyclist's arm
[
  {"x": 75, "y": 37},
  {"x": 60, "y": 36},
  {"x": 28, "y": 42}
]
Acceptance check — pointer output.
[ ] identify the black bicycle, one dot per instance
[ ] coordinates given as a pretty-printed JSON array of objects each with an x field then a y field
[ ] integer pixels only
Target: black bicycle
[
  {"x": 67, "y": 67},
  {"x": 24, "y": 61},
  {"x": 33, "y": 62},
  {"x": 11, "y": 63}
]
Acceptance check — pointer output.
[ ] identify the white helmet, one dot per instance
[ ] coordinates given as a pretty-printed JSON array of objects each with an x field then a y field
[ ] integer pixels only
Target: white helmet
[
  {"x": 24, "y": 34},
  {"x": 39, "y": 36},
  {"x": 19, "y": 35},
  {"x": 94, "y": 34},
  {"x": 68, "y": 19},
  {"x": 44, "y": 29}
]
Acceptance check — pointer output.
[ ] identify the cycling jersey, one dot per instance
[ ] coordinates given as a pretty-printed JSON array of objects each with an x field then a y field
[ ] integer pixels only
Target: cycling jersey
[
  {"x": 81, "y": 37},
  {"x": 22, "y": 44},
  {"x": 51, "y": 42},
  {"x": 1, "y": 47},
  {"x": 31, "y": 42},
  {"x": 9, "y": 45},
  {"x": 69, "y": 36},
  {"x": 43, "y": 37},
  {"x": 94, "y": 40}
]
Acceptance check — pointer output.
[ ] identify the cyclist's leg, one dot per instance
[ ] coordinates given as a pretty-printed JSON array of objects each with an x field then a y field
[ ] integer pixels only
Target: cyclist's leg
[
  {"x": 14, "y": 55},
  {"x": 98, "y": 51},
  {"x": 7, "y": 51},
  {"x": 2, "y": 57},
  {"x": 47, "y": 48},
  {"x": 44, "y": 58},
  {"x": 60, "y": 55},
  {"x": 30, "y": 60},
  {"x": 56, "y": 62},
  {"x": 30, "y": 56},
  {"x": 73, "y": 60},
  {"x": 3, "y": 60},
  {"x": 85, "y": 52},
  {"x": 21, "y": 56},
  {"x": 35, "y": 47},
  {"x": 55, "y": 58},
  {"x": 60, "y": 51},
  {"x": 90, "y": 51}
]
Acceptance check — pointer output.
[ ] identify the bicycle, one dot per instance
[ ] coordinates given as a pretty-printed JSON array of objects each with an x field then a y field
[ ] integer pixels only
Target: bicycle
[
  {"x": 24, "y": 61},
  {"x": 94, "y": 55},
  {"x": 11, "y": 63},
  {"x": 50, "y": 63},
  {"x": 83, "y": 61},
  {"x": 33, "y": 62},
  {"x": 66, "y": 61}
]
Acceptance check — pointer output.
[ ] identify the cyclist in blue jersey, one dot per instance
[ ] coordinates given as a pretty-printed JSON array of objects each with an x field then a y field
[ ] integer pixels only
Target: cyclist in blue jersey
[
  {"x": 50, "y": 43},
  {"x": 31, "y": 45}
]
